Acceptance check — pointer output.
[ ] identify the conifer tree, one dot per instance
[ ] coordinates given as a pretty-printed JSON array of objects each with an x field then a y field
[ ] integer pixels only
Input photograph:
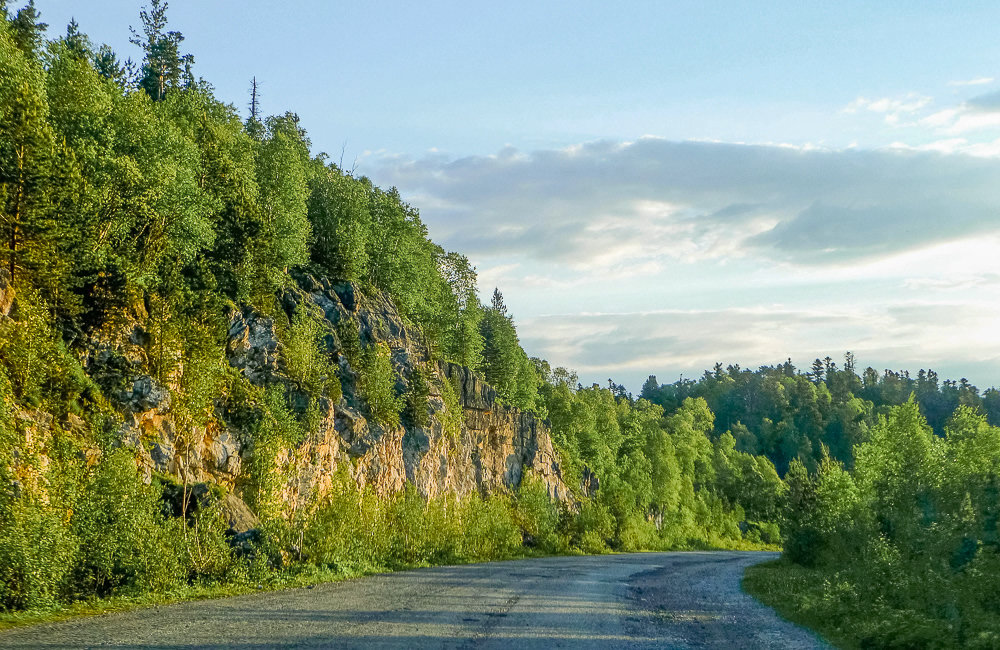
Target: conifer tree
[
  {"x": 163, "y": 66},
  {"x": 27, "y": 29}
]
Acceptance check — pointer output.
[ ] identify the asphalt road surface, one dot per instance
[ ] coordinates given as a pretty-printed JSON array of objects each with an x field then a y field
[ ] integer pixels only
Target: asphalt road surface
[{"x": 639, "y": 600}]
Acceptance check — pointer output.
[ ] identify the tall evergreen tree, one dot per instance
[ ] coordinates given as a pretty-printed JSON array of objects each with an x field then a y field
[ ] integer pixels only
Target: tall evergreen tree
[
  {"x": 163, "y": 67},
  {"x": 28, "y": 30}
]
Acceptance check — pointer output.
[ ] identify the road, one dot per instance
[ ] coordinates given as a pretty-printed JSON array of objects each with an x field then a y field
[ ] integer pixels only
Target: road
[{"x": 638, "y": 600}]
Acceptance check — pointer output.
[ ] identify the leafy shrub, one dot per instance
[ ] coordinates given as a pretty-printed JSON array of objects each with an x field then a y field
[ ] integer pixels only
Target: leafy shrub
[
  {"x": 536, "y": 515},
  {"x": 350, "y": 340},
  {"x": 416, "y": 397},
  {"x": 306, "y": 359},
  {"x": 378, "y": 384},
  {"x": 208, "y": 556},
  {"x": 276, "y": 428},
  {"x": 490, "y": 531},
  {"x": 37, "y": 551},
  {"x": 453, "y": 416},
  {"x": 126, "y": 545},
  {"x": 348, "y": 532},
  {"x": 593, "y": 526}
]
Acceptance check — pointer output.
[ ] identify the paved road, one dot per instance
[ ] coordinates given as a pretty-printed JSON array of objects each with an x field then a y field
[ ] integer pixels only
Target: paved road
[{"x": 641, "y": 600}]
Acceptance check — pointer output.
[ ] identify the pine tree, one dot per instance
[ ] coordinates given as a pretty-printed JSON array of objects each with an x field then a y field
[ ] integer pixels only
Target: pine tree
[
  {"x": 76, "y": 41},
  {"x": 28, "y": 30},
  {"x": 163, "y": 67}
]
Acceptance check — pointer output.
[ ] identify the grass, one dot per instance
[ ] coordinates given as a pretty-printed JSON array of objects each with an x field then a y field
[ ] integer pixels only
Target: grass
[
  {"x": 310, "y": 575},
  {"x": 796, "y": 593},
  {"x": 850, "y": 609}
]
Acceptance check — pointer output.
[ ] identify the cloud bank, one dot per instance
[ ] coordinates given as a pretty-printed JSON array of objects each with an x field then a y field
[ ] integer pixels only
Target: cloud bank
[
  {"x": 606, "y": 203},
  {"x": 696, "y": 252}
]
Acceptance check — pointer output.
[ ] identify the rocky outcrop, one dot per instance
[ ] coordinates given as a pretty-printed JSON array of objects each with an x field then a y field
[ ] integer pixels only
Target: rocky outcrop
[
  {"x": 8, "y": 305},
  {"x": 253, "y": 345},
  {"x": 494, "y": 447}
]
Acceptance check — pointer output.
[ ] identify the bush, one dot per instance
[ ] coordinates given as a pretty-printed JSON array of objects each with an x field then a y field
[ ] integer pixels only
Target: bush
[
  {"x": 593, "y": 526},
  {"x": 37, "y": 551},
  {"x": 208, "y": 556},
  {"x": 490, "y": 532},
  {"x": 416, "y": 397},
  {"x": 306, "y": 359},
  {"x": 275, "y": 428},
  {"x": 536, "y": 515},
  {"x": 378, "y": 383},
  {"x": 126, "y": 545}
]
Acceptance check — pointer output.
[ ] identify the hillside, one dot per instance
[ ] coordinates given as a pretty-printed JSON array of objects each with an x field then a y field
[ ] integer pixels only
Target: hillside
[{"x": 226, "y": 361}]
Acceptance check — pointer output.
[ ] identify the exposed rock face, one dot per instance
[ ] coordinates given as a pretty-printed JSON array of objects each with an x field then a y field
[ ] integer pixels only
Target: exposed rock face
[
  {"x": 8, "y": 305},
  {"x": 253, "y": 346},
  {"x": 494, "y": 448}
]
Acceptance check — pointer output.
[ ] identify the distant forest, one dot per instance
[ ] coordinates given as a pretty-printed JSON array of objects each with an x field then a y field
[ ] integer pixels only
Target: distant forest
[{"x": 786, "y": 414}]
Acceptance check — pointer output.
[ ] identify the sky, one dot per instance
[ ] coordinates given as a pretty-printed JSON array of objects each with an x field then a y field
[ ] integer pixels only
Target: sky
[{"x": 659, "y": 186}]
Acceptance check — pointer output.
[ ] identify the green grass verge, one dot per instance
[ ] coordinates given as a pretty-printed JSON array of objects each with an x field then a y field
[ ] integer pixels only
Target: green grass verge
[
  {"x": 851, "y": 609},
  {"x": 796, "y": 593}
]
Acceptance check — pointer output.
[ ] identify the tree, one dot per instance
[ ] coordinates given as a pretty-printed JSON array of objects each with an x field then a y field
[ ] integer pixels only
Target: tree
[
  {"x": 501, "y": 349},
  {"x": 338, "y": 209},
  {"x": 282, "y": 163},
  {"x": 107, "y": 65},
  {"x": 26, "y": 147},
  {"x": 76, "y": 42},
  {"x": 163, "y": 66},
  {"x": 27, "y": 30}
]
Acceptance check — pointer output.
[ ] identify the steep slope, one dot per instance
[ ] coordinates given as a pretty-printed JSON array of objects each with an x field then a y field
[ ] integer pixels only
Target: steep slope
[{"x": 488, "y": 447}]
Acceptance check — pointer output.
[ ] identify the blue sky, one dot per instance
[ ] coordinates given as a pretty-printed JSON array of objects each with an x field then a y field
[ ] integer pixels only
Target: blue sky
[{"x": 664, "y": 185}]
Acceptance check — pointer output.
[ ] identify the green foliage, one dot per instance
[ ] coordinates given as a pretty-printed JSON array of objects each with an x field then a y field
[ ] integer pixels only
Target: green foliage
[
  {"x": 348, "y": 334},
  {"x": 338, "y": 212},
  {"x": 37, "y": 552},
  {"x": 125, "y": 545},
  {"x": 282, "y": 230},
  {"x": 536, "y": 515},
  {"x": 900, "y": 551},
  {"x": 501, "y": 350},
  {"x": 489, "y": 529},
  {"x": 417, "y": 393},
  {"x": 378, "y": 385},
  {"x": 307, "y": 360},
  {"x": 164, "y": 68},
  {"x": 453, "y": 417},
  {"x": 41, "y": 371},
  {"x": 276, "y": 429}
]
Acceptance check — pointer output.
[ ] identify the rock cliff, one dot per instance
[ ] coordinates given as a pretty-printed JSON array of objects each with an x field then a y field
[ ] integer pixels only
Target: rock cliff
[{"x": 490, "y": 447}]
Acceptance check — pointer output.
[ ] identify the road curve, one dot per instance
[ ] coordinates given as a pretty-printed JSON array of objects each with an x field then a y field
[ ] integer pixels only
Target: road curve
[{"x": 638, "y": 600}]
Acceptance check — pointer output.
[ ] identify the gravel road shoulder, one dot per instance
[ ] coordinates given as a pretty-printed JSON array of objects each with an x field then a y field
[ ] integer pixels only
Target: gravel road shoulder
[{"x": 698, "y": 603}]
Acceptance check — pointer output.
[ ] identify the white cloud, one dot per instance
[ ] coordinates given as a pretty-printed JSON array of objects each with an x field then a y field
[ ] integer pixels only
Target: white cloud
[
  {"x": 977, "y": 114},
  {"x": 629, "y": 346},
  {"x": 893, "y": 109},
  {"x": 854, "y": 244},
  {"x": 602, "y": 205},
  {"x": 908, "y": 104},
  {"x": 978, "y": 81}
]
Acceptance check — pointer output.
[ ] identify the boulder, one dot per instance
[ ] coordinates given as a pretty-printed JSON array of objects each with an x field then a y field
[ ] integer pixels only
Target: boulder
[{"x": 237, "y": 514}]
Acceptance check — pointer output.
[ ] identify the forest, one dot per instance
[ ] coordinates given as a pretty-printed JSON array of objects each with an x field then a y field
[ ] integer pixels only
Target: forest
[{"x": 128, "y": 191}]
